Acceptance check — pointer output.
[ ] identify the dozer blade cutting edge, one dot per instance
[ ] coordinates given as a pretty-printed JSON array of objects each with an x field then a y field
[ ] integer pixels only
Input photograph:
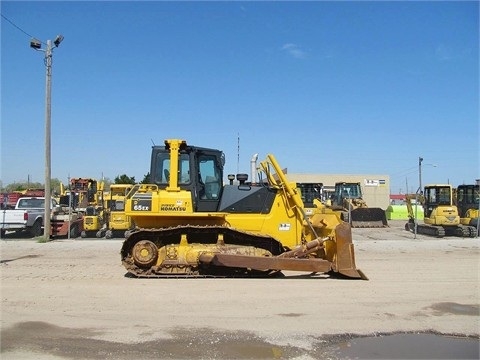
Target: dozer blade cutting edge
[{"x": 368, "y": 218}]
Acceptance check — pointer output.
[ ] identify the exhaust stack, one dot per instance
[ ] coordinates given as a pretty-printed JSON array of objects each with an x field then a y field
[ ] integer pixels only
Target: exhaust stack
[{"x": 253, "y": 168}]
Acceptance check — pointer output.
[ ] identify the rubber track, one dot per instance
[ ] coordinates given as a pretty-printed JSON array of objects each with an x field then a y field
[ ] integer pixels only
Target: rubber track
[
  {"x": 425, "y": 229},
  {"x": 441, "y": 231}
]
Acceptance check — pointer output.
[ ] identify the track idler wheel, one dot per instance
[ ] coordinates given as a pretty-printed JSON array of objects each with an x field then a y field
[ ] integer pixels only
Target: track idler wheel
[{"x": 145, "y": 253}]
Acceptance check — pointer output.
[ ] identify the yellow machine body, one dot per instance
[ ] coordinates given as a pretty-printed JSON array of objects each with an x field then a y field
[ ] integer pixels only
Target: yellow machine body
[
  {"x": 348, "y": 200},
  {"x": 92, "y": 222},
  {"x": 186, "y": 228},
  {"x": 440, "y": 214},
  {"x": 467, "y": 198},
  {"x": 87, "y": 197},
  {"x": 118, "y": 222}
]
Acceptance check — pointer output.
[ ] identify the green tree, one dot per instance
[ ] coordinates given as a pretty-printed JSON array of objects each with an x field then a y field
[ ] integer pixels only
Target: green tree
[
  {"x": 24, "y": 185},
  {"x": 124, "y": 179},
  {"x": 55, "y": 185},
  {"x": 146, "y": 178}
]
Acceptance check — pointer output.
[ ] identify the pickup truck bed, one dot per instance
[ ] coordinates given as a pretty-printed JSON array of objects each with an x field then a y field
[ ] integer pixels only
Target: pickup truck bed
[{"x": 27, "y": 216}]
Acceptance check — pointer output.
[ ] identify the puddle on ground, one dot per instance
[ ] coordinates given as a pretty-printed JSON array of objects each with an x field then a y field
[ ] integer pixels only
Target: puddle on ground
[
  {"x": 43, "y": 340},
  {"x": 408, "y": 346}
]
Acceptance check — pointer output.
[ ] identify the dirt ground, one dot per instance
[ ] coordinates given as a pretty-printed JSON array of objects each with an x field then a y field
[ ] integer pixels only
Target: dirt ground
[{"x": 70, "y": 299}]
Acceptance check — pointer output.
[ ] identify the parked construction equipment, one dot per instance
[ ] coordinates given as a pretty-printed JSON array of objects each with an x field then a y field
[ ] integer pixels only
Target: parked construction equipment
[
  {"x": 118, "y": 223},
  {"x": 440, "y": 215},
  {"x": 190, "y": 224},
  {"x": 466, "y": 198},
  {"x": 86, "y": 196},
  {"x": 348, "y": 199},
  {"x": 65, "y": 220},
  {"x": 311, "y": 193}
]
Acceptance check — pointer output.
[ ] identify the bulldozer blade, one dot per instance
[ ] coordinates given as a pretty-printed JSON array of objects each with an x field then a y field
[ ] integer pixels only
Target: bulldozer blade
[
  {"x": 268, "y": 263},
  {"x": 368, "y": 218},
  {"x": 345, "y": 256}
]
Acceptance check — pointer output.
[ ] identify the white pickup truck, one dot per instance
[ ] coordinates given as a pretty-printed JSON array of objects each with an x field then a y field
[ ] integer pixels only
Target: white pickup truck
[{"x": 27, "y": 216}]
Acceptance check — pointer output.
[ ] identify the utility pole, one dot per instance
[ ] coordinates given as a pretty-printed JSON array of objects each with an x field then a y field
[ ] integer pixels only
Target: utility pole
[
  {"x": 419, "y": 190},
  {"x": 69, "y": 206},
  {"x": 48, "y": 117},
  {"x": 420, "y": 159},
  {"x": 477, "y": 198},
  {"x": 37, "y": 45}
]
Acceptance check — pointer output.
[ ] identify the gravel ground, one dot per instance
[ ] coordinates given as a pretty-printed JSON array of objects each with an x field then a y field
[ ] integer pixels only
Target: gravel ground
[{"x": 70, "y": 299}]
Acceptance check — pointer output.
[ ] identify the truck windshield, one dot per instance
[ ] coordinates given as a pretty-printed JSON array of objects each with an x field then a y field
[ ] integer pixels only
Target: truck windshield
[{"x": 31, "y": 204}]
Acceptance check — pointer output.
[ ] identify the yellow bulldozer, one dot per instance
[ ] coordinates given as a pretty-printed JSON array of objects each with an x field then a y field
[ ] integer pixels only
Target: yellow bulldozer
[
  {"x": 440, "y": 214},
  {"x": 348, "y": 200},
  {"x": 190, "y": 224}
]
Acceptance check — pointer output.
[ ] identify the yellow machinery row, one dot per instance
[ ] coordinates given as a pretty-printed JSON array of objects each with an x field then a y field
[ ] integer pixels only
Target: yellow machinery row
[{"x": 103, "y": 211}]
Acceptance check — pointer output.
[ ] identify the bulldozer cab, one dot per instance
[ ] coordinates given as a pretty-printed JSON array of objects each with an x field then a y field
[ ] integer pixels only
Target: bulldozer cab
[
  {"x": 309, "y": 192},
  {"x": 348, "y": 199},
  {"x": 176, "y": 166},
  {"x": 346, "y": 191}
]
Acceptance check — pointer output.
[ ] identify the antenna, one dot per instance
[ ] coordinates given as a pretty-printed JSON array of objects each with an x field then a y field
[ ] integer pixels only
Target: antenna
[
  {"x": 238, "y": 153},
  {"x": 152, "y": 142}
]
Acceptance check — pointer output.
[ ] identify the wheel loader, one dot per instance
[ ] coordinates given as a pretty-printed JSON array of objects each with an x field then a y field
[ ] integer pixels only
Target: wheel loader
[
  {"x": 189, "y": 224},
  {"x": 440, "y": 215},
  {"x": 348, "y": 200}
]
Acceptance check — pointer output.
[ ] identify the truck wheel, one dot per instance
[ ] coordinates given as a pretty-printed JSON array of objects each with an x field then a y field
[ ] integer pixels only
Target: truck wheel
[
  {"x": 83, "y": 234},
  {"x": 36, "y": 229},
  {"x": 2, "y": 233},
  {"x": 108, "y": 234},
  {"x": 74, "y": 232}
]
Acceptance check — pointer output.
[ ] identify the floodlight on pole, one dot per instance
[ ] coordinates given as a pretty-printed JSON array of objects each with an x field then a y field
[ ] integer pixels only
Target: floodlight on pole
[
  {"x": 37, "y": 45},
  {"x": 58, "y": 40}
]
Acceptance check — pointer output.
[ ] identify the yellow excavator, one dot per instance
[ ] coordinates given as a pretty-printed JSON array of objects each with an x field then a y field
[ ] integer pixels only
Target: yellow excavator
[
  {"x": 467, "y": 199},
  {"x": 189, "y": 224},
  {"x": 440, "y": 214}
]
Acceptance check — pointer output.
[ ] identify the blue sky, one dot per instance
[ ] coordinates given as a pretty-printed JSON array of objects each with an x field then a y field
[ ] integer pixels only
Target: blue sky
[{"x": 327, "y": 87}]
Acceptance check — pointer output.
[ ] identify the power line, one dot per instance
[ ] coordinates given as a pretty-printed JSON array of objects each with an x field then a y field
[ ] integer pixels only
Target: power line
[{"x": 19, "y": 28}]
